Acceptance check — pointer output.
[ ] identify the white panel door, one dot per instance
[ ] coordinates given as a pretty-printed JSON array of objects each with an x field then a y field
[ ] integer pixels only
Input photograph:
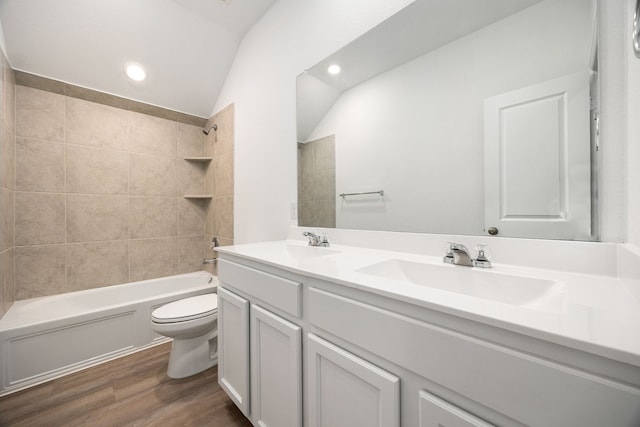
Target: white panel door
[
  {"x": 537, "y": 160},
  {"x": 345, "y": 390},
  {"x": 276, "y": 370},
  {"x": 233, "y": 347}
]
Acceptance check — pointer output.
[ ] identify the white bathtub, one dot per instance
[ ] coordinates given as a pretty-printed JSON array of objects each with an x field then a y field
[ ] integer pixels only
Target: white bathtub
[{"x": 42, "y": 338}]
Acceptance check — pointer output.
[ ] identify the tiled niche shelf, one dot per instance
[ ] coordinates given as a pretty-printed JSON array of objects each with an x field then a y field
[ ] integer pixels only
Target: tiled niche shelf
[
  {"x": 198, "y": 196},
  {"x": 198, "y": 160}
]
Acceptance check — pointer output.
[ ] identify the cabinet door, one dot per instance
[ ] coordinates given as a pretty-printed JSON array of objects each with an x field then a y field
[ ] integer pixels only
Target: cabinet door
[
  {"x": 435, "y": 412},
  {"x": 346, "y": 391},
  {"x": 233, "y": 347},
  {"x": 276, "y": 370}
]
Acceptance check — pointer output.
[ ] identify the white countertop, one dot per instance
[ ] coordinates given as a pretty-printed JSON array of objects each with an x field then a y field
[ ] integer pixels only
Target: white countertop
[{"x": 599, "y": 314}]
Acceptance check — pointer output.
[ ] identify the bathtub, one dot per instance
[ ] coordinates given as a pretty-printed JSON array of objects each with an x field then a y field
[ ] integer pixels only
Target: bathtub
[{"x": 46, "y": 337}]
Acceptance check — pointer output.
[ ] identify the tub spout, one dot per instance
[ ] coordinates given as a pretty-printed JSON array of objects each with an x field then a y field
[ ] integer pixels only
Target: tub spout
[{"x": 210, "y": 261}]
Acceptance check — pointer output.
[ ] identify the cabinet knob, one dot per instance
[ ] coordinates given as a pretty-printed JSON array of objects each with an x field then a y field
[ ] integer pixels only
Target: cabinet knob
[{"x": 493, "y": 231}]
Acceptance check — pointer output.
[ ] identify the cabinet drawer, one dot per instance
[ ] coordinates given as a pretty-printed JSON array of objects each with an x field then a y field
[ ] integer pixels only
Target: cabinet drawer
[
  {"x": 531, "y": 390},
  {"x": 276, "y": 291}
]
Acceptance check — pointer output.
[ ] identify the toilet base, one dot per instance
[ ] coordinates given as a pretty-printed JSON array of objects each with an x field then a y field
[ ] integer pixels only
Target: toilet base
[{"x": 193, "y": 355}]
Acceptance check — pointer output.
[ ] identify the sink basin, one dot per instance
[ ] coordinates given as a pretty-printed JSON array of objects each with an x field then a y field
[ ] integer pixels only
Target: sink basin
[
  {"x": 291, "y": 252},
  {"x": 505, "y": 288}
]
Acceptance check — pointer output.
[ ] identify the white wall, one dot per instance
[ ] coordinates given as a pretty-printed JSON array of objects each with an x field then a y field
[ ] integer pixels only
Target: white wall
[
  {"x": 290, "y": 38},
  {"x": 633, "y": 150},
  {"x": 417, "y": 131}
]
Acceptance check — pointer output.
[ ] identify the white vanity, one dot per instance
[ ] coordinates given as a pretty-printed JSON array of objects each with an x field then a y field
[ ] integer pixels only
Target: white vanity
[{"x": 352, "y": 336}]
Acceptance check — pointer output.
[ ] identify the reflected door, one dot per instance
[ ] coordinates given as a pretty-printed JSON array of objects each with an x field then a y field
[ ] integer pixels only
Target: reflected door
[{"x": 537, "y": 160}]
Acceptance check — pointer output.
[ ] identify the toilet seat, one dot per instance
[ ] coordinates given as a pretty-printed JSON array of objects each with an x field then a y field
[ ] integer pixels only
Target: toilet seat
[{"x": 186, "y": 309}]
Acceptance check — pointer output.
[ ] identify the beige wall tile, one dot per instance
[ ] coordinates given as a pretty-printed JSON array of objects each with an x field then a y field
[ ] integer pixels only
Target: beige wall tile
[
  {"x": 305, "y": 158},
  {"x": 97, "y": 171},
  {"x": 3, "y": 266},
  {"x": 152, "y": 176},
  {"x": 225, "y": 242},
  {"x": 208, "y": 253},
  {"x": 324, "y": 153},
  {"x": 325, "y": 213},
  {"x": 191, "y": 176},
  {"x": 190, "y": 141},
  {"x": 153, "y": 135},
  {"x": 305, "y": 214},
  {"x": 6, "y": 281},
  {"x": 6, "y": 219},
  {"x": 47, "y": 279},
  {"x": 94, "y": 218},
  {"x": 92, "y": 265},
  {"x": 223, "y": 175},
  {"x": 209, "y": 180},
  {"x": 39, "y": 165},
  {"x": 151, "y": 258},
  {"x": 224, "y": 120},
  {"x": 7, "y": 157},
  {"x": 97, "y": 125},
  {"x": 39, "y": 218},
  {"x": 4, "y": 67},
  {"x": 209, "y": 144},
  {"x": 39, "y": 114},
  {"x": 324, "y": 185},
  {"x": 153, "y": 217},
  {"x": 223, "y": 217},
  {"x": 190, "y": 254},
  {"x": 306, "y": 189},
  {"x": 193, "y": 214},
  {"x": 209, "y": 226},
  {"x": 9, "y": 95},
  {"x": 9, "y": 278}
]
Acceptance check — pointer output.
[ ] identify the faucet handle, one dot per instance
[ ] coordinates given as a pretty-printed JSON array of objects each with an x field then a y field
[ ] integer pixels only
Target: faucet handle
[
  {"x": 483, "y": 256},
  {"x": 448, "y": 253}
]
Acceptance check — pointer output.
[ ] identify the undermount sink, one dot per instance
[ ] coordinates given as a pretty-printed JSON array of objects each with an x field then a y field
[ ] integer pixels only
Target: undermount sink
[
  {"x": 291, "y": 251},
  {"x": 490, "y": 285}
]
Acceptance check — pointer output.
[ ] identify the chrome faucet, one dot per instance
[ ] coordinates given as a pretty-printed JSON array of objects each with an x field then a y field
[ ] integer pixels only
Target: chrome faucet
[
  {"x": 458, "y": 254},
  {"x": 315, "y": 240}
]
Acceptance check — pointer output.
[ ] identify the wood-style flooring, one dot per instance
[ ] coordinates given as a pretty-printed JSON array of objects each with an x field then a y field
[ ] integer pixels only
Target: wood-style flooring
[{"x": 130, "y": 391}]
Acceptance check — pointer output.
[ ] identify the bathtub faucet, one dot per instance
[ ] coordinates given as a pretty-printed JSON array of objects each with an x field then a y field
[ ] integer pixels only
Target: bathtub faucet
[{"x": 209, "y": 261}]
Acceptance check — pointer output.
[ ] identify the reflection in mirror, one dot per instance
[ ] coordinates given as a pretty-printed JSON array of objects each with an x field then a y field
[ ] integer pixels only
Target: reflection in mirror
[{"x": 470, "y": 116}]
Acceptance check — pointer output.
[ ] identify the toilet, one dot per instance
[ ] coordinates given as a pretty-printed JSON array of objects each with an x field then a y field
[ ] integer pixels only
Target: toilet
[{"x": 193, "y": 325}]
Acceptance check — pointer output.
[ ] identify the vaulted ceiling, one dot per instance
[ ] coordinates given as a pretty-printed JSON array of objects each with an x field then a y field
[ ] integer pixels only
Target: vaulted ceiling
[{"x": 186, "y": 46}]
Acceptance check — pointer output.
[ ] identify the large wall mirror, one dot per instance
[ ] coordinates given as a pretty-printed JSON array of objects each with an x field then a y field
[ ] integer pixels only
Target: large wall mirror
[{"x": 456, "y": 117}]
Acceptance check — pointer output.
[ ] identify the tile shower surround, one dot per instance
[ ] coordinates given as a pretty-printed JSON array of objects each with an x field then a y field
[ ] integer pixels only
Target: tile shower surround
[
  {"x": 98, "y": 194},
  {"x": 317, "y": 183},
  {"x": 7, "y": 184}
]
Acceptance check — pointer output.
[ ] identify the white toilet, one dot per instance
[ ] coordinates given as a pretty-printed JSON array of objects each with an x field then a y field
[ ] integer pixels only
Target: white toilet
[{"x": 193, "y": 325}]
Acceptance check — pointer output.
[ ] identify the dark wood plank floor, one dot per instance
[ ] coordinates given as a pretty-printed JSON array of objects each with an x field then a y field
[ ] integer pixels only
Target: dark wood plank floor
[{"x": 130, "y": 391}]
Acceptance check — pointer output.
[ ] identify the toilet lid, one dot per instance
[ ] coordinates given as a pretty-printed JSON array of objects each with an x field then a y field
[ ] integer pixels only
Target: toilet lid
[{"x": 186, "y": 309}]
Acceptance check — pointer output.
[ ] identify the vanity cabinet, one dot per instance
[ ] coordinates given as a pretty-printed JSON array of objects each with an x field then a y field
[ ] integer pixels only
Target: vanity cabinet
[
  {"x": 345, "y": 390},
  {"x": 276, "y": 363},
  {"x": 373, "y": 360},
  {"x": 260, "y": 362},
  {"x": 233, "y": 347}
]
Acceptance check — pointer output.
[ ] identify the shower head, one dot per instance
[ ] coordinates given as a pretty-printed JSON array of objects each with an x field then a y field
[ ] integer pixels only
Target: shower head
[{"x": 207, "y": 130}]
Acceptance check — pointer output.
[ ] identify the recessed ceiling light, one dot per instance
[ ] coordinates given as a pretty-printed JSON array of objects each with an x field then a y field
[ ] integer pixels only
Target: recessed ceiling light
[
  {"x": 135, "y": 72},
  {"x": 333, "y": 69}
]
